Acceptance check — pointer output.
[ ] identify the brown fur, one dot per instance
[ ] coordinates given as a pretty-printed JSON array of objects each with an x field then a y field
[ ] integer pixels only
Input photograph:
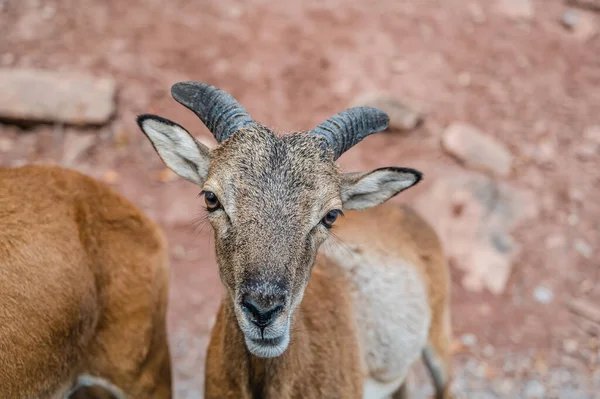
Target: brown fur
[{"x": 83, "y": 283}]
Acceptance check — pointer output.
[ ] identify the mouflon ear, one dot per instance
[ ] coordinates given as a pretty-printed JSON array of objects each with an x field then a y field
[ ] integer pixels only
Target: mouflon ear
[
  {"x": 365, "y": 190},
  {"x": 181, "y": 152}
]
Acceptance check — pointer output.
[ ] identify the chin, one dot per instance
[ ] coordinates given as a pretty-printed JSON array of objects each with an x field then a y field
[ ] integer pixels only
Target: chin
[{"x": 268, "y": 347}]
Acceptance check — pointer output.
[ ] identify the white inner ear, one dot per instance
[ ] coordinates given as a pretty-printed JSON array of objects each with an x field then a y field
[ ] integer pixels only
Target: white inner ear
[
  {"x": 178, "y": 150},
  {"x": 376, "y": 188}
]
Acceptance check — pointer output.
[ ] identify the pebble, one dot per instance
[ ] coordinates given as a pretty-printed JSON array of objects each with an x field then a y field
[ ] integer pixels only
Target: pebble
[
  {"x": 543, "y": 295},
  {"x": 570, "y": 346},
  {"x": 488, "y": 351},
  {"x": 534, "y": 390},
  {"x": 583, "y": 248},
  {"x": 468, "y": 340},
  {"x": 569, "y": 19},
  {"x": 573, "y": 219}
]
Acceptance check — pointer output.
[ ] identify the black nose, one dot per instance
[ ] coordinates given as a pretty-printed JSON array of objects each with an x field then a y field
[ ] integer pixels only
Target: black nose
[{"x": 262, "y": 310}]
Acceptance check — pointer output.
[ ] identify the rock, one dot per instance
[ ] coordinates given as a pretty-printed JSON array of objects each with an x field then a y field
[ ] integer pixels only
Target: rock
[
  {"x": 543, "y": 295},
  {"x": 515, "y": 9},
  {"x": 403, "y": 115},
  {"x": 33, "y": 95},
  {"x": 468, "y": 340},
  {"x": 476, "y": 149},
  {"x": 569, "y": 19},
  {"x": 474, "y": 216},
  {"x": 582, "y": 25},
  {"x": 583, "y": 248},
  {"x": 110, "y": 177},
  {"x": 570, "y": 346},
  {"x": 488, "y": 350},
  {"x": 573, "y": 219},
  {"x": 534, "y": 390}
]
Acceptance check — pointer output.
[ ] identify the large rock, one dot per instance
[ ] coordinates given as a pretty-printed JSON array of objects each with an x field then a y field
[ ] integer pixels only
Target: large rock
[
  {"x": 476, "y": 149},
  {"x": 475, "y": 216},
  {"x": 33, "y": 95},
  {"x": 404, "y": 115}
]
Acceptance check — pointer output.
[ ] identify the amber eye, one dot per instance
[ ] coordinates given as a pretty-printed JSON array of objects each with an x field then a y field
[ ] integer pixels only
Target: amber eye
[
  {"x": 211, "y": 200},
  {"x": 330, "y": 218}
]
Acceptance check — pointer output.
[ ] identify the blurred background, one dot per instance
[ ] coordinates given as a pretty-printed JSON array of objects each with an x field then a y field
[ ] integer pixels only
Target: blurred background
[{"x": 496, "y": 101}]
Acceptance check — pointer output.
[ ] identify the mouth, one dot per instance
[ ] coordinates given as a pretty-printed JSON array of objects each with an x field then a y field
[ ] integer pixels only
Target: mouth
[
  {"x": 268, "y": 341},
  {"x": 268, "y": 347}
]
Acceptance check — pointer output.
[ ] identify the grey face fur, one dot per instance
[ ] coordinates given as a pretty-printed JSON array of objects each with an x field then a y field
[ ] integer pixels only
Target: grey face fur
[{"x": 270, "y": 201}]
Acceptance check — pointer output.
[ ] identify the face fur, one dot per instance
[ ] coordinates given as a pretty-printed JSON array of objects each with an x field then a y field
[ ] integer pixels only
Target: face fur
[{"x": 271, "y": 201}]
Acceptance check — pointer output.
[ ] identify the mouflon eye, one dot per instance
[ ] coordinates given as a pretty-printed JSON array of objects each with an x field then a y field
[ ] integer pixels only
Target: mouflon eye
[
  {"x": 329, "y": 219},
  {"x": 211, "y": 200}
]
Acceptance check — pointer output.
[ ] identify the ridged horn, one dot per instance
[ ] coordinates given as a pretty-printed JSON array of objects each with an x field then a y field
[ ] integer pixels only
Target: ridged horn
[
  {"x": 349, "y": 127},
  {"x": 217, "y": 109}
]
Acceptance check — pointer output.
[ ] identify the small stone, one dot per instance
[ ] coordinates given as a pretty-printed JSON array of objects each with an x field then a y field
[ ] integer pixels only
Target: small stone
[
  {"x": 576, "y": 195},
  {"x": 582, "y": 25},
  {"x": 48, "y": 96},
  {"x": 110, "y": 177},
  {"x": 569, "y": 19},
  {"x": 476, "y": 149},
  {"x": 166, "y": 175},
  {"x": 488, "y": 350},
  {"x": 573, "y": 219},
  {"x": 570, "y": 346},
  {"x": 468, "y": 340},
  {"x": 534, "y": 390},
  {"x": 587, "y": 151},
  {"x": 543, "y": 295},
  {"x": 556, "y": 241},
  {"x": 583, "y": 248},
  {"x": 404, "y": 116},
  {"x": 48, "y": 11},
  {"x": 515, "y": 9},
  {"x": 545, "y": 152}
]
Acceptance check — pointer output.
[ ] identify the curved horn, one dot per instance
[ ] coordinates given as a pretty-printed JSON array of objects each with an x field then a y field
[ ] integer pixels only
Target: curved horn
[
  {"x": 218, "y": 110},
  {"x": 349, "y": 127}
]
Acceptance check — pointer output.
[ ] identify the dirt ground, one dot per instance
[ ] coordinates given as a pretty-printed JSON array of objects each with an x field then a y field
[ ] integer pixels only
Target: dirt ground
[{"x": 528, "y": 82}]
